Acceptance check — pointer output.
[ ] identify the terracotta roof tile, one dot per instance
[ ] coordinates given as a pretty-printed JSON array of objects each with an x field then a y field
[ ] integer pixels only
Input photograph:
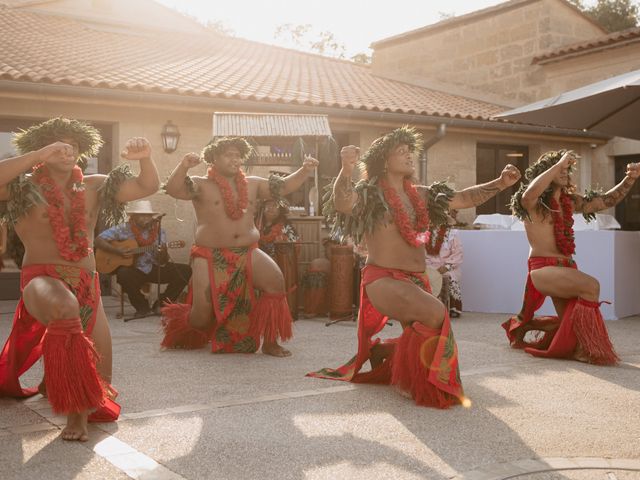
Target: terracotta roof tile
[
  {"x": 613, "y": 40},
  {"x": 40, "y": 48}
]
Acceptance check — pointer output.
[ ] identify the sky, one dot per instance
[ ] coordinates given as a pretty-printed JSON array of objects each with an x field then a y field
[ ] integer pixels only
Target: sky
[{"x": 354, "y": 23}]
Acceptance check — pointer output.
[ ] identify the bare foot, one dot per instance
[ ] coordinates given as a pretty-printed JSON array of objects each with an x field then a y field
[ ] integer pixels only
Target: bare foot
[
  {"x": 76, "y": 429},
  {"x": 275, "y": 350},
  {"x": 580, "y": 355}
]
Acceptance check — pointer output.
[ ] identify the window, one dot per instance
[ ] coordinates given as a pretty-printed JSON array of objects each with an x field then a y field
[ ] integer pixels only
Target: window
[{"x": 490, "y": 160}]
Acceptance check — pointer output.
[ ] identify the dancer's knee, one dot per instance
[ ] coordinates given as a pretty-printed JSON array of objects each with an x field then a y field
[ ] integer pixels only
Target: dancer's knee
[
  {"x": 67, "y": 307},
  {"x": 430, "y": 314},
  {"x": 275, "y": 286},
  {"x": 590, "y": 289}
]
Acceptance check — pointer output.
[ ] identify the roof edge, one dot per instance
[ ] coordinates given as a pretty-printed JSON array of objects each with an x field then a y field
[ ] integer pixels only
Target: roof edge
[{"x": 268, "y": 107}]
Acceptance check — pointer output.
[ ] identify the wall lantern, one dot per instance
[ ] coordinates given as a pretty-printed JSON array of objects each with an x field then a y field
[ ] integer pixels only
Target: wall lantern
[{"x": 170, "y": 136}]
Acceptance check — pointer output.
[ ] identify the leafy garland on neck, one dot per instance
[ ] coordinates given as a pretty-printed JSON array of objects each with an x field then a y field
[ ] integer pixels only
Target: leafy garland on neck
[
  {"x": 561, "y": 212},
  {"x": 24, "y": 195},
  {"x": 371, "y": 207}
]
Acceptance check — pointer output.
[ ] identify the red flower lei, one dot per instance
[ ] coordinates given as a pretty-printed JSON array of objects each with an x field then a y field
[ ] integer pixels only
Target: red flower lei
[
  {"x": 563, "y": 224},
  {"x": 274, "y": 232},
  {"x": 137, "y": 232},
  {"x": 433, "y": 247},
  {"x": 408, "y": 232},
  {"x": 234, "y": 212},
  {"x": 71, "y": 237}
]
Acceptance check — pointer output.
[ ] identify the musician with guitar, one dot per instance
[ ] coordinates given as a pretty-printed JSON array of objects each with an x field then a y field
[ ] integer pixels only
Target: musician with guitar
[{"x": 133, "y": 251}]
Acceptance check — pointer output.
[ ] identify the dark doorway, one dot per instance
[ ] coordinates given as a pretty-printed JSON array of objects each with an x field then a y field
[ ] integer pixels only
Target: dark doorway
[
  {"x": 490, "y": 160},
  {"x": 628, "y": 211}
]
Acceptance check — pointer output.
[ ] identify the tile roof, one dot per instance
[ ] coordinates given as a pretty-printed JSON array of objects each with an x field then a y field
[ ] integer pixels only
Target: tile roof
[
  {"x": 613, "y": 40},
  {"x": 56, "y": 50}
]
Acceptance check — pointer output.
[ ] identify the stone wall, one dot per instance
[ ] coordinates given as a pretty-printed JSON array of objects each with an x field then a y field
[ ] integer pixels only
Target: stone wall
[{"x": 492, "y": 54}]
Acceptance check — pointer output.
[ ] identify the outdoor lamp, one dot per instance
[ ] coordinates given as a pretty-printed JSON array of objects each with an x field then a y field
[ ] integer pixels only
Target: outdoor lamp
[{"x": 170, "y": 136}]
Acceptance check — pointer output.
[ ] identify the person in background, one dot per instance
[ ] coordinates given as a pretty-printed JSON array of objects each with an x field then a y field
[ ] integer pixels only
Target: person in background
[
  {"x": 149, "y": 267},
  {"x": 274, "y": 227},
  {"x": 443, "y": 250}
]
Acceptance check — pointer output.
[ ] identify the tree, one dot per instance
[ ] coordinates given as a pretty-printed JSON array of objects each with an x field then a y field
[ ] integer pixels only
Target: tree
[
  {"x": 303, "y": 36},
  {"x": 612, "y": 15}
]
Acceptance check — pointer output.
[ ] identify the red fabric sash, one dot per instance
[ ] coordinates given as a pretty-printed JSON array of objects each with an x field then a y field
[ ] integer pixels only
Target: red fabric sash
[
  {"x": 24, "y": 345},
  {"x": 232, "y": 295},
  {"x": 533, "y": 300},
  {"x": 371, "y": 322},
  {"x": 581, "y": 330}
]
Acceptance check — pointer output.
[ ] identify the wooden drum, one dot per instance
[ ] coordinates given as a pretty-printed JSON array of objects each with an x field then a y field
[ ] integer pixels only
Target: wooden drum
[{"x": 341, "y": 282}]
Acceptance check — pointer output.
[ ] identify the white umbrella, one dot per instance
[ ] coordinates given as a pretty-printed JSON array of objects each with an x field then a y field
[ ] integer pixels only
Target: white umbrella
[{"x": 611, "y": 107}]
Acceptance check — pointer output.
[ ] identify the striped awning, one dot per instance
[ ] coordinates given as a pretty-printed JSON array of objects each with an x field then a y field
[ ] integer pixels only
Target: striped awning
[{"x": 270, "y": 125}]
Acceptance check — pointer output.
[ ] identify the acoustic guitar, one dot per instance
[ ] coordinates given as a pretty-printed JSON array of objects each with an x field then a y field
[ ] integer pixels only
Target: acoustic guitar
[{"x": 107, "y": 262}]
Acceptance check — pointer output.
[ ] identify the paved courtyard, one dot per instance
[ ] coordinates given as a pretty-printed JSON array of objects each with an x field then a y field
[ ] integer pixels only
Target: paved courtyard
[{"x": 194, "y": 415}]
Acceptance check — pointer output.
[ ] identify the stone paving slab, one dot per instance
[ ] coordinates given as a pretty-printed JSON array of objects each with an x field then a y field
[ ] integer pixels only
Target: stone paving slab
[{"x": 192, "y": 415}]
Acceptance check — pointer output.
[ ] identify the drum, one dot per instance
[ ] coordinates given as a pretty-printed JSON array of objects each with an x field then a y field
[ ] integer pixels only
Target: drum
[
  {"x": 287, "y": 260},
  {"x": 435, "y": 279},
  {"x": 341, "y": 282}
]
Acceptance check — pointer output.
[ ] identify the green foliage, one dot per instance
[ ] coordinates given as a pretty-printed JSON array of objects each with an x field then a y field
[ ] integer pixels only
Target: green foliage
[
  {"x": 544, "y": 163},
  {"x": 439, "y": 196},
  {"x": 590, "y": 195},
  {"x": 218, "y": 145},
  {"x": 371, "y": 207},
  {"x": 303, "y": 36},
  {"x": 375, "y": 157},
  {"x": 54, "y": 130},
  {"x": 612, "y": 15},
  {"x": 112, "y": 211},
  {"x": 362, "y": 58}
]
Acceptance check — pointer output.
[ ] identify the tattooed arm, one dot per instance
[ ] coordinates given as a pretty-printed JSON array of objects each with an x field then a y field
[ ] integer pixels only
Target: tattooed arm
[
  {"x": 343, "y": 193},
  {"x": 612, "y": 197},
  {"x": 478, "y": 194}
]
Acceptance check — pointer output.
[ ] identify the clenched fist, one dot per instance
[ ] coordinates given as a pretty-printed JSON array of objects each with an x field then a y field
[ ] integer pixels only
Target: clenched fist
[
  {"x": 57, "y": 152},
  {"x": 191, "y": 160},
  {"x": 633, "y": 170},
  {"x": 136, "y": 148},
  {"x": 310, "y": 163},
  {"x": 349, "y": 156},
  {"x": 510, "y": 175}
]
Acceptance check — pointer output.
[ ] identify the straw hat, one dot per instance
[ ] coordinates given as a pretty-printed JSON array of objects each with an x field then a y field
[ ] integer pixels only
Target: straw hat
[{"x": 141, "y": 207}]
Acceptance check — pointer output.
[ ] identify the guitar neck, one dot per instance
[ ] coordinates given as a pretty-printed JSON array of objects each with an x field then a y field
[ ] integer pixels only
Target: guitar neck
[{"x": 148, "y": 248}]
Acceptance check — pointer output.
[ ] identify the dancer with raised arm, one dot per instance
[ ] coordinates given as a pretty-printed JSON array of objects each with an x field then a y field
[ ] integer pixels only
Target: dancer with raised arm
[
  {"x": 54, "y": 209},
  {"x": 546, "y": 203}
]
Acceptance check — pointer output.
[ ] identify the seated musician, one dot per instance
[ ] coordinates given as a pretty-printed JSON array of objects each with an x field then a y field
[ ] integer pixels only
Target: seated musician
[
  {"x": 274, "y": 227},
  {"x": 149, "y": 267}
]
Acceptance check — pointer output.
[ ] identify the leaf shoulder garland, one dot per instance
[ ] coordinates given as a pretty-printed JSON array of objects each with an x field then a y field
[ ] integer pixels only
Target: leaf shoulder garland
[
  {"x": 518, "y": 211},
  {"x": 112, "y": 211},
  {"x": 23, "y": 196},
  {"x": 370, "y": 209}
]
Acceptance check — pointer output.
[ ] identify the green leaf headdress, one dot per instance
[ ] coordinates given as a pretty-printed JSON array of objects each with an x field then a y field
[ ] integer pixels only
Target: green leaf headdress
[
  {"x": 54, "y": 130},
  {"x": 544, "y": 163},
  {"x": 373, "y": 161},
  {"x": 220, "y": 144}
]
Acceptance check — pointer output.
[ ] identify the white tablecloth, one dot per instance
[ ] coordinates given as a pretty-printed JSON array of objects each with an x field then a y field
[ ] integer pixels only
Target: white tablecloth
[{"x": 495, "y": 268}]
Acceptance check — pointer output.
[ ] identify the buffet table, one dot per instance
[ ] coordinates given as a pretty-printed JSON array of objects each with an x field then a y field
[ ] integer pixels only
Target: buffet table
[{"x": 494, "y": 270}]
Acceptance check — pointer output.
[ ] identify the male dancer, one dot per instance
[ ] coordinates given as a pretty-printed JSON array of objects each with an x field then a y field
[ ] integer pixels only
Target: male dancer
[
  {"x": 222, "y": 307},
  {"x": 389, "y": 212},
  {"x": 54, "y": 209},
  {"x": 545, "y": 203}
]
